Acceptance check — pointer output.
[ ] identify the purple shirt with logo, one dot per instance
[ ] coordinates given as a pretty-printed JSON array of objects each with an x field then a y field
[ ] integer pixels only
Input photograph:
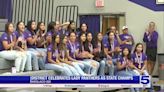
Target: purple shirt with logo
[
  {"x": 72, "y": 47},
  {"x": 55, "y": 53},
  {"x": 136, "y": 60},
  {"x": 6, "y": 37},
  {"x": 108, "y": 45},
  {"x": 151, "y": 40},
  {"x": 28, "y": 34},
  {"x": 124, "y": 37}
]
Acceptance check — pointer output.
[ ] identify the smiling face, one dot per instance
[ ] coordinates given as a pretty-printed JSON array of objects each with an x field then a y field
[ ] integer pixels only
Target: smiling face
[
  {"x": 125, "y": 51},
  {"x": 84, "y": 27},
  {"x": 72, "y": 37},
  {"x": 10, "y": 28},
  {"x": 99, "y": 37},
  {"x": 42, "y": 27},
  {"x": 83, "y": 37},
  {"x": 21, "y": 26},
  {"x": 33, "y": 26},
  {"x": 72, "y": 25},
  {"x": 57, "y": 39},
  {"x": 111, "y": 36},
  {"x": 89, "y": 37},
  {"x": 139, "y": 48}
]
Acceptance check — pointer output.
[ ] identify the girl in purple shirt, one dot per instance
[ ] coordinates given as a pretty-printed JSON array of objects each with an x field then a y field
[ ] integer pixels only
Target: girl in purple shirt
[
  {"x": 21, "y": 45},
  {"x": 31, "y": 37},
  {"x": 73, "y": 48},
  {"x": 53, "y": 54},
  {"x": 112, "y": 51},
  {"x": 7, "y": 48},
  {"x": 63, "y": 57},
  {"x": 139, "y": 60},
  {"x": 87, "y": 56},
  {"x": 53, "y": 28}
]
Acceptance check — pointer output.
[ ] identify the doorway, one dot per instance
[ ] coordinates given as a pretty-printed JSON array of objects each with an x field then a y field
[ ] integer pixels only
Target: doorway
[{"x": 117, "y": 20}]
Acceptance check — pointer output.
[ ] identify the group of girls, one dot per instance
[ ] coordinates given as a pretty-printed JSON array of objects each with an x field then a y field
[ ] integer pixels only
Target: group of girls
[{"x": 70, "y": 52}]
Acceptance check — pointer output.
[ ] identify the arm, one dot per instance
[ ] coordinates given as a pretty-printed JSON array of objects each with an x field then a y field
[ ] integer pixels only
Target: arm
[
  {"x": 31, "y": 40},
  {"x": 118, "y": 38},
  {"x": 7, "y": 46},
  {"x": 120, "y": 66},
  {"x": 145, "y": 38},
  {"x": 69, "y": 57},
  {"x": 154, "y": 37},
  {"x": 65, "y": 60},
  {"x": 50, "y": 60}
]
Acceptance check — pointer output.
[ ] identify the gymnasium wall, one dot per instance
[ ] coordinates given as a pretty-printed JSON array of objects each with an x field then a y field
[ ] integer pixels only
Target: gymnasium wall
[{"x": 137, "y": 17}]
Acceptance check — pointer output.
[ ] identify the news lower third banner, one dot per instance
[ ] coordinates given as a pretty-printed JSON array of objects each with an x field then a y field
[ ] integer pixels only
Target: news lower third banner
[{"x": 75, "y": 81}]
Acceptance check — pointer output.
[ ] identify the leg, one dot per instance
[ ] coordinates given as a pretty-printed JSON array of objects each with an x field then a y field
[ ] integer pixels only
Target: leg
[
  {"x": 94, "y": 66},
  {"x": 77, "y": 67},
  {"x": 57, "y": 68},
  {"x": 87, "y": 66},
  {"x": 110, "y": 67},
  {"x": 41, "y": 63},
  {"x": 34, "y": 58},
  {"x": 101, "y": 68},
  {"x": 72, "y": 69},
  {"x": 12, "y": 55},
  {"x": 24, "y": 60},
  {"x": 28, "y": 66}
]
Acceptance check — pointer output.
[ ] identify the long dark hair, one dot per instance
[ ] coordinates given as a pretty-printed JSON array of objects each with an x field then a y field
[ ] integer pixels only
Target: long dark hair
[
  {"x": 80, "y": 42},
  {"x": 62, "y": 45},
  {"x": 69, "y": 26},
  {"x": 109, "y": 39},
  {"x": 137, "y": 46},
  {"x": 7, "y": 28},
  {"x": 38, "y": 27},
  {"x": 29, "y": 27},
  {"x": 51, "y": 26},
  {"x": 95, "y": 41},
  {"x": 129, "y": 55},
  {"x": 55, "y": 45},
  {"x": 87, "y": 42},
  {"x": 17, "y": 27}
]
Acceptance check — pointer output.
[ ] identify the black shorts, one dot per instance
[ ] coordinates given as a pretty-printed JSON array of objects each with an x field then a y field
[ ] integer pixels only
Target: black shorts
[{"x": 151, "y": 54}]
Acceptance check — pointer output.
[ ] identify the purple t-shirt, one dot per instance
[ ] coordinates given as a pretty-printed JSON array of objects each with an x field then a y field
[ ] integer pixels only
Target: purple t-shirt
[
  {"x": 55, "y": 53},
  {"x": 18, "y": 35},
  {"x": 125, "y": 37},
  {"x": 111, "y": 47},
  {"x": 6, "y": 37},
  {"x": 28, "y": 34},
  {"x": 151, "y": 40},
  {"x": 138, "y": 59},
  {"x": 72, "y": 47},
  {"x": 50, "y": 33}
]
